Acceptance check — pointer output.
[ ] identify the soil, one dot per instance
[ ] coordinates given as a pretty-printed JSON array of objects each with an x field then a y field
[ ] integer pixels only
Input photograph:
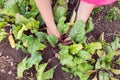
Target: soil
[
  {"x": 9, "y": 58},
  {"x": 110, "y": 29}
]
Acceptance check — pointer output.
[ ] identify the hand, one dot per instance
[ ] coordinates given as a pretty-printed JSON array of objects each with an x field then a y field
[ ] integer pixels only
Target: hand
[
  {"x": 118, "y": 52},
  {"x": 53, "y": 31}
]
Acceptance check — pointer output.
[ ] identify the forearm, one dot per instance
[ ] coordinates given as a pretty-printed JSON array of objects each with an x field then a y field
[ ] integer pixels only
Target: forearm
[
  {"x": 45, "y": 9},
  {"x": 84, "y": 11}
]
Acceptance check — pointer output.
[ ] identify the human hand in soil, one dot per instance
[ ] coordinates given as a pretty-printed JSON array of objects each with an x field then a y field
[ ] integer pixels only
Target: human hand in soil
[{"x": 45, "y": 9}]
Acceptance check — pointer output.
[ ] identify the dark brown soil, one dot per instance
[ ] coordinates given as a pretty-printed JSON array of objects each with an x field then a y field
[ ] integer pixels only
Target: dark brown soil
[
  {"x": 9, "y": 58},
  {"x": 111, "y": 29}
]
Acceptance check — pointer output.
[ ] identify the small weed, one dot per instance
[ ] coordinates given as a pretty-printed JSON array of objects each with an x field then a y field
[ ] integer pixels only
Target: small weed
[
  {"x": 112, "y": 14},
  {"x": 118, "y": 2},
  {"x": 97, "y": 10}
]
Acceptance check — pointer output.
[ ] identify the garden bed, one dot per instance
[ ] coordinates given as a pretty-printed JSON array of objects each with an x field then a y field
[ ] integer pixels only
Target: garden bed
[{"x": 9, "y": 57}]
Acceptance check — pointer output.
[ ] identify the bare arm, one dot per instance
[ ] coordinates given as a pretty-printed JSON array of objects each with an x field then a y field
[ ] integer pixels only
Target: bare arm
[
  {"x": 84, "y": 11},
  {"x": 46, "y": 11}
]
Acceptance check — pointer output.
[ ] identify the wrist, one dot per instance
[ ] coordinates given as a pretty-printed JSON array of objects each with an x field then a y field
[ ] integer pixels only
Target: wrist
[{"x": 51, "y": 26}]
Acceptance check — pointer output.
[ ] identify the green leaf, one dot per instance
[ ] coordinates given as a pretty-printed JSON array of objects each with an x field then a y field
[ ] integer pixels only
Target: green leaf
[
  {"x": 80, "y": 74},
  {"x": 109, "y": 56},
  {"x": 103, "y": 65},
  {"x": 20, "y": 32},
  {"x": 77, "y": 34},
  {"x": 89, "y": 26},
  {"x": 100, "y": 53},
  {"x": 40, "y": 71},
  {"x": 52, "y": 40},
  {"x": 64, "y": 49},
  {"x": 60, "y": 9},
  {"x": 33, "y": 25},
  {"x": 23, "y": 6},
  {"x": 98, "y": 65},
  {"x": 24, "y": 38},
  {"x": 104, "y": 62},
  {"x": 2, "y": 35},
  {"x": 83, "y": 75},
  {"x": 2, "y": 24},
  {"x": 41, "y": 36},
  {"x": 103, "y": 75},
  {"x": 66, "y": 60},
  {"x": 34, "y": 60},
  {"x": 30, "y": 23},
  {"x": 97, "y": 10},
  {"x": 28, "y": 8},
  {"x": 85, "y": 67},
  {"x": 8, "y": 11},
  {"x": 65, "y": 57},
  {"x": 118, "y": 61},
  {"x": 92, "y": 61},
  {"x": 106, "y": 47},
  {"x": 115, "y": 71},
  {"x": 42, "y": 46},
  {"x": 92, "y": 47},
  {"x": 33, "y": 44},
  {"x": 65, "y": 69},
  {"x": 115, "y": 45},
  {"x": 9, "y": 3},
  {"x": 62, "y": 26},
  {"x": 15, "y": 30},
  {"x": 87, "y": 74},
  {"x": 21, "y": 67},
  {"x": 1, "y": 2},
  {"x": 10, "y": 8},
  {"x": 20, "y": 19},
  {"x": 61, "y": 23},
  {"x": 73, "y": 17},
  {"x": 112, "y": 46},
  {"x": 48, "y": 74},
  {"x": 78, "y": 60},
  {"x": 19, "y": 45},
  {"x": 75, "y": 48},
  {"x": 84, "y": 55}
]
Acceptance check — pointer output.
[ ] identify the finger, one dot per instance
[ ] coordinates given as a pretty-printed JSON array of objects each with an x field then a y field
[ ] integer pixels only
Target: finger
[
  {"x": 67, "y": 39},
  {"x": 67, "y": 42}
]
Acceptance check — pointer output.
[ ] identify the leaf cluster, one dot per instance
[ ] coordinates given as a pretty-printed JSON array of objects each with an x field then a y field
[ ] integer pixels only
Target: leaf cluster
[
  {"x": 112, "y": 14},
  {"x": 85, "y": 59}
]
